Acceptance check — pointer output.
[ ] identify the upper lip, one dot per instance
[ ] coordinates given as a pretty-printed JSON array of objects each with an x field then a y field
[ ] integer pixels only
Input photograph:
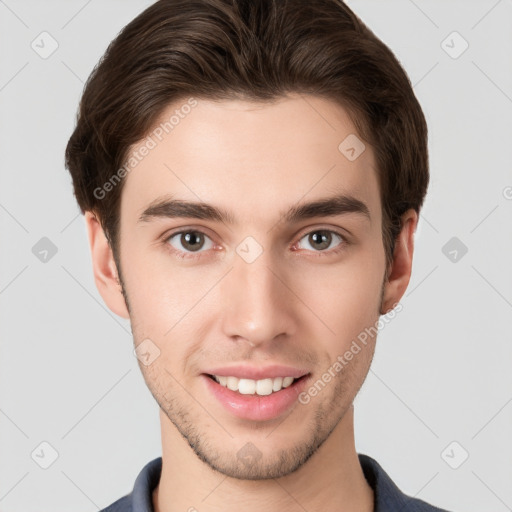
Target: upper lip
[{"x": 258, "y": 372}]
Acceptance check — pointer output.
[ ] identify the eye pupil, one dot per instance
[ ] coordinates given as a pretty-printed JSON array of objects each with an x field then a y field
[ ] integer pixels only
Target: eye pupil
[
  {"x": 322, "y": 239},
  {"x": 192, "y": 240}
]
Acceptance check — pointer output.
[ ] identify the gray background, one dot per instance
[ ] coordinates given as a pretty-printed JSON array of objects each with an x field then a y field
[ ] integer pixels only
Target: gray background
[{"x": 441, "y": 372}]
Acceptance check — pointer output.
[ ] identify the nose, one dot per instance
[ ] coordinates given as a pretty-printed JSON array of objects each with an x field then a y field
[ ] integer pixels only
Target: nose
[{"x": 257, "y": 305}]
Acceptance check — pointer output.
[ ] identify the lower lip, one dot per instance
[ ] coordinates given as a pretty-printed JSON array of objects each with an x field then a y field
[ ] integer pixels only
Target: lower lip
[{"x": 256, "y": 407}]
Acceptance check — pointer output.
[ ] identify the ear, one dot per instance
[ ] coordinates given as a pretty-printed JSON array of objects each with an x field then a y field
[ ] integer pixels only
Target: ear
[
  {"x": 104, "y": 267},
  {"x": 401, "y": 267}
]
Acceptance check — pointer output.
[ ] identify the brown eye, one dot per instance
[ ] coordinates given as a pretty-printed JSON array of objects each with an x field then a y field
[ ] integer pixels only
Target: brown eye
[
  {"x": 321, "y": 239},
  {"x": 190, "y": 241}
]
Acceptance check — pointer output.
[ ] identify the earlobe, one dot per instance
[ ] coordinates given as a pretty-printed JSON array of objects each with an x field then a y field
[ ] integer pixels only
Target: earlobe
[
  {"x": 401, "y": 267},
  {"x": 104, "y": 267}
]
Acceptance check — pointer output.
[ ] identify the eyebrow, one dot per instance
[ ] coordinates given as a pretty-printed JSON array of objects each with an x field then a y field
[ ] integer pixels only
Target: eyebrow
[{"x": 167, "y": 207}]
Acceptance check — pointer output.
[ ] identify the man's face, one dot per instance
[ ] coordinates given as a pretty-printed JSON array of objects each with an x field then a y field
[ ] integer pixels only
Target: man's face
[{"x": 259, "y": 287}]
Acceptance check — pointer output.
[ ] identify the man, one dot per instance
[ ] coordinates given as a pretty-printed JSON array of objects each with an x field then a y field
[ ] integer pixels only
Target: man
[{"x": 251, "y": 174}]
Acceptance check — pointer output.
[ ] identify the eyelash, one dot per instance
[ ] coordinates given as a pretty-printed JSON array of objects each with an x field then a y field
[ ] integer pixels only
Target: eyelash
[{"x": 195, "y": 256}]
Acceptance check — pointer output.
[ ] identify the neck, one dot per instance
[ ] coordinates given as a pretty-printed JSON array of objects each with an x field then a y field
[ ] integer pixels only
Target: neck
[{"x": 332, "y": 479}]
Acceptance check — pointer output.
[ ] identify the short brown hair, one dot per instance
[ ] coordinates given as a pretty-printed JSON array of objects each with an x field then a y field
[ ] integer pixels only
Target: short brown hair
[{"x": 253, "y": 50}]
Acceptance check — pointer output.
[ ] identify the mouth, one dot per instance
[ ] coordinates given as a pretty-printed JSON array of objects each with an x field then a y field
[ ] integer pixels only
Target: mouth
[
  {"x": 261, "y": 387},
  {"x": 256, "y": 400}
]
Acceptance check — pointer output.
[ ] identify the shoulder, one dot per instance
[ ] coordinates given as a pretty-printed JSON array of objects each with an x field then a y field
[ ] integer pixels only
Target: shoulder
[
  {"x": 140, "y": 499},
  {"x": 388, "y": 497},
  {"x": 123, "y": 504}
]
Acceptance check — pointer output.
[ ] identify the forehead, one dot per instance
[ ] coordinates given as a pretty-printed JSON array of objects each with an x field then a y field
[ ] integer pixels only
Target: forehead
[{"x": 251, "y": 156}]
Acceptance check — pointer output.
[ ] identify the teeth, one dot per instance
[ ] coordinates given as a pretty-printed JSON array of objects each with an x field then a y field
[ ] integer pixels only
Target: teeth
[
  {"x": 261, "y": 387},
  {"x": 232, "y": 383},
  {"x": 277, "y": 384},
  {"x": 287, "y": 381},
  {"x": 264, "y": 387},
  {"x": 246, "y": 386}
]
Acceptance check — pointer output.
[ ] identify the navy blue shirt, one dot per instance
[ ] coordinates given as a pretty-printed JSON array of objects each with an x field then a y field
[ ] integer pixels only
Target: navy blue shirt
[{"x": 388, "y": 497}]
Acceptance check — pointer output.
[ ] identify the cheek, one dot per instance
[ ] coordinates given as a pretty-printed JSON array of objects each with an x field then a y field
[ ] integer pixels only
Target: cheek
[
  {"x": 165, "y": 296},
  {"x": 345, "y": 296},
  {"x": 159, "y": 291}
]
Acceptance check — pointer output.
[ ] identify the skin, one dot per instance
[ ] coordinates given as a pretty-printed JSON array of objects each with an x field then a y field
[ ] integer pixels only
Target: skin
[{"x": 295, "y": 304}]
